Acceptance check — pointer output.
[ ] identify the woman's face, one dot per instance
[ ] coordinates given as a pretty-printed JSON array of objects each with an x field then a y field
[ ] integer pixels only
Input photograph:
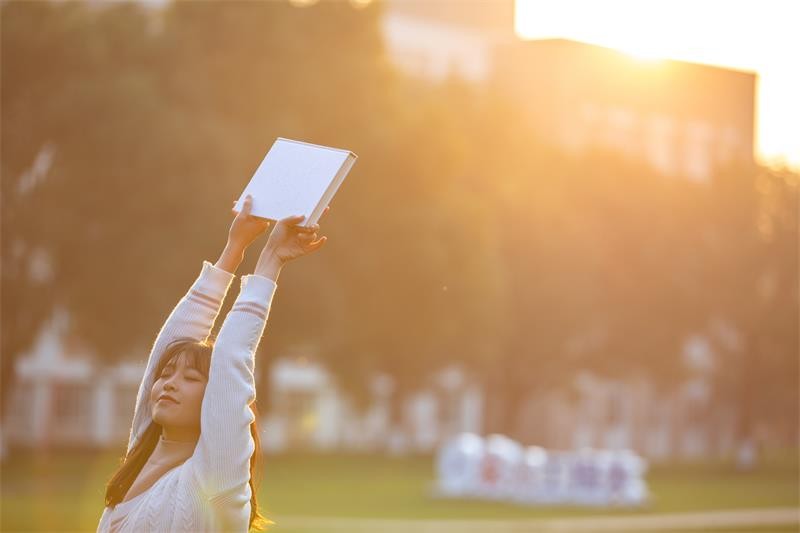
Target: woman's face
[{"x": 186, "y": 385}]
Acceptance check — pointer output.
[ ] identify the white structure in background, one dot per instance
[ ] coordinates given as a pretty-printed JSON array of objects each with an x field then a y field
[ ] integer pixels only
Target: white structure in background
[
  {"x": 435, "y": 40},
  {"x": 310, "y": 412},
  {"x": 306, "y": 407},
  {"x": 501, "y": 458},
  {"x": 62, "y": 397},
  {"x": 458, "y": 464},
  {"x": 617, "y": 414},
  {"x": 498, "y": 468}
]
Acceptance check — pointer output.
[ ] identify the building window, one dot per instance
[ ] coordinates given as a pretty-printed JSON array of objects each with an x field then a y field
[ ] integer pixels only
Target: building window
[
  {"x": 660, "y": 143},
  {"x": 620, "y": 130},
  {"x": 729, "y": 144},
  {"x": 697, "y": 150}
]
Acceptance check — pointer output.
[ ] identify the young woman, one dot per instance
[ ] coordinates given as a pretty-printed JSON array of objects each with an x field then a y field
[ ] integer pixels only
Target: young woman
[{"x": 193, "y": 444}]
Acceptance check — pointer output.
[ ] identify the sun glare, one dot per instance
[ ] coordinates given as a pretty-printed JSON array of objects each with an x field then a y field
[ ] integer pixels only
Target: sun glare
[
  {"x": 645, "y": 56},
  {"x": 740, "y": 34}
]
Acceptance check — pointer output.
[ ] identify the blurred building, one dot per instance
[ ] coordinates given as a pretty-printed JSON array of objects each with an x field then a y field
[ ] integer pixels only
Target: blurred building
[
  {"x": 438, "y": 39},
  {"x": 604, "y": 413},
  {"x": 62, "y": 398},
  {"x": 310, "y": 412},
  {"x": 684, "y": 119},
  {"x": 681, "y": 118}
]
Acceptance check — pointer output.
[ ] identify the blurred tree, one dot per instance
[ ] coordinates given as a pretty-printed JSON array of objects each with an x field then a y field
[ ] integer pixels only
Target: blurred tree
[
  {"x": 603, "y": 264},
  {"x": 459, "y": 236},
  {"x": 75, "y": 163},
  {"x": 753, "y": 241},
  {"x": 128, "y": 100}
]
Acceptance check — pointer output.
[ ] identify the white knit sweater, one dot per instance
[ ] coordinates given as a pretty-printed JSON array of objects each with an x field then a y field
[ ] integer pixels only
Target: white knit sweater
[{"x": 210, "y": 491}]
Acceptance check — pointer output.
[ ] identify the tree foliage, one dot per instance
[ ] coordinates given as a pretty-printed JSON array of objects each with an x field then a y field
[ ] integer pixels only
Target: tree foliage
[{"x": 460, "y": 235}]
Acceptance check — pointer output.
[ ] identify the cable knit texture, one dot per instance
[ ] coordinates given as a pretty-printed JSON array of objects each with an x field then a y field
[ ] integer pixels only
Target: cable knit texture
[{"x": 210, "y": 491}]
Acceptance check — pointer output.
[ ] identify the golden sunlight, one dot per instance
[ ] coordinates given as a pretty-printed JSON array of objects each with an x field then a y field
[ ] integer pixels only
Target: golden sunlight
[{"x": 751, "y": 35}]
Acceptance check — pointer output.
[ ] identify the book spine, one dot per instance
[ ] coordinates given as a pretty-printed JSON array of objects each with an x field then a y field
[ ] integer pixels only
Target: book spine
[{"x": 331, "y": 190}]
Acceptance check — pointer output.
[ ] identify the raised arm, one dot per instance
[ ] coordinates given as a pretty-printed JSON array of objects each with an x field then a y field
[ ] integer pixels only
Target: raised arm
[
  {"x": 196, "y": 312},
  {"x": 221, "y": 459},
  {"x": 192, "y": 318}
]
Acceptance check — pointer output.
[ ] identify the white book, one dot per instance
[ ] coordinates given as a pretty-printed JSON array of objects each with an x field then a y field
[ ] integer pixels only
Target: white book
[{"x": 296, "y": 178}]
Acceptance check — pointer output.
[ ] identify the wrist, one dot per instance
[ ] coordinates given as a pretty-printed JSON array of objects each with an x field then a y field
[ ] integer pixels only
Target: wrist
[
  {"x": 230, "y": 258},
  {"x": 235, "y": 247},
  {"x": 269, "y": 265}
]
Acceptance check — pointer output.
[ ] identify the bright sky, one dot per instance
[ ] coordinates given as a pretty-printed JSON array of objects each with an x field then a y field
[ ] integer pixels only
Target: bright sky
[{"x": 761, "y": 36}]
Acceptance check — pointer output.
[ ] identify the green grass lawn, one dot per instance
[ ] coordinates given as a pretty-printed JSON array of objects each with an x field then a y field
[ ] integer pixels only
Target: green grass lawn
[{"x": 64, "y": 492}]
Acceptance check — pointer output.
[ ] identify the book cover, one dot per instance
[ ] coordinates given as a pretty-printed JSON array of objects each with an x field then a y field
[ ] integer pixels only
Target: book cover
[{"x": 296, "y": 178}]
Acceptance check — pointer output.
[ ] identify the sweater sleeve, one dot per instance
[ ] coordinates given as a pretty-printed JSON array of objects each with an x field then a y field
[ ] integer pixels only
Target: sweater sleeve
[
  {"x": 192, "y": 318},
  {"x": 221, "y": 459}
]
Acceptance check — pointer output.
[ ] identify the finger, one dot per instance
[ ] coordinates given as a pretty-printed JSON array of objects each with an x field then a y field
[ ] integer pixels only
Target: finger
[
  {"x": 316, "y": 245},
  {"x": 327, "y": 208},
  {"x": 248, "y": 204},
  {"x": 308, "y": 229},
  {"x": 292, "y": 220}
]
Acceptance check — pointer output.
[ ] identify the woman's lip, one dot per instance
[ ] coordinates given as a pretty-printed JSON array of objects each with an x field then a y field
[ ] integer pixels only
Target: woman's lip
[{"x": 166, "y": 400}]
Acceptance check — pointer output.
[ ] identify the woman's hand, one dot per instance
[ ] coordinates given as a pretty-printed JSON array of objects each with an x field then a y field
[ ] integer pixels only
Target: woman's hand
[
  {"x": 289, "y": 241},
  {"x": 246, "y": 227},
  {"x": 286, "y": 242},
  {"x": 244, "y": 230}
]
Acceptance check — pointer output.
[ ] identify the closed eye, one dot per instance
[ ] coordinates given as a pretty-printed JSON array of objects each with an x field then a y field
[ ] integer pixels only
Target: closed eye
[{"x": 167, "y": 374}]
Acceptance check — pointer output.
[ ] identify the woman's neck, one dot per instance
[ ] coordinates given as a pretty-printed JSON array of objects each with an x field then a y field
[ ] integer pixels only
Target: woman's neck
[
  {"x": 180, "y": 434},
  {"x": 168, "y": 451}
]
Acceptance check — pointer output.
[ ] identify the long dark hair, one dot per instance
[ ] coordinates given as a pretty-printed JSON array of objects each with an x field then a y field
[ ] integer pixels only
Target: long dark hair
[{"x": 198, "y": 356}]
